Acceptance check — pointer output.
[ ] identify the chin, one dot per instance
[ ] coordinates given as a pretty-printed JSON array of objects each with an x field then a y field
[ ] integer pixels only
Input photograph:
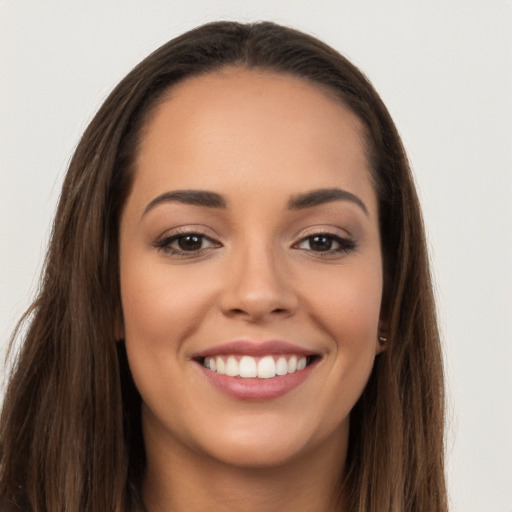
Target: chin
[
  {"x": 258, "y": 443},
  {"x": 258, "y": 455}
]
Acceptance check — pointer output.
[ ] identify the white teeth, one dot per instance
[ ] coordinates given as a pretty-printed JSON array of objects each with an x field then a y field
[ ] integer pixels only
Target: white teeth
[
  {"x": 266, "y": 367},
  {"x": 248, "y": 367},
  {"x": 281, "y": 366},
  {"x": 301, "y": 363},
  {"x": 232, "y": 367},
  {"x": 220, "y": 365}
]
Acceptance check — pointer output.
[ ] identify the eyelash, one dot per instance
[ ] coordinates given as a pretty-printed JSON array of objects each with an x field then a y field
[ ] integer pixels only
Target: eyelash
[
  {"x": 165, "y": 244},
  {"x": 345, "y": 244}
]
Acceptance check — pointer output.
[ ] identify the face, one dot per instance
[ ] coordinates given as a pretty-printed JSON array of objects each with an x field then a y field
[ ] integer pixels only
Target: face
[{"x": 251, "y": 270}]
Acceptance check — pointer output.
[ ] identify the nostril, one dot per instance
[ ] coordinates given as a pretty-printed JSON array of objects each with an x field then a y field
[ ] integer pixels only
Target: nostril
[{"x": 240, "y": 311}]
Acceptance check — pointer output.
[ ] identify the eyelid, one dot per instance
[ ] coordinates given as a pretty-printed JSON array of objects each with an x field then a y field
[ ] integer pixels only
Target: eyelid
[
  {"x": 323, "y": 229},
  {"x": 346, "y": 241},
  {"x": 188, "y": 229},
  {"x": 162, "y": 242}
]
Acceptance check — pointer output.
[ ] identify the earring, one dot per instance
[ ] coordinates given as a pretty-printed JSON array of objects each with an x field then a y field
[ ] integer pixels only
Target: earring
[{"x": 383, "y": 339}]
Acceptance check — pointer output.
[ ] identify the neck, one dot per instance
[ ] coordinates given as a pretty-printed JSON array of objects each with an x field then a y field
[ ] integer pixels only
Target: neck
[{"x": 180, "y": 480}]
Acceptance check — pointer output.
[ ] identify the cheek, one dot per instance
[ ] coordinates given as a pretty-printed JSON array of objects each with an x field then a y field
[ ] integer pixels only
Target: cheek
[
  {"x": 160, "y": 305},
  {"x": 347, "y": 303},
  {"x": 161, "y": 310},
  {"x": 347, "y": 308}
]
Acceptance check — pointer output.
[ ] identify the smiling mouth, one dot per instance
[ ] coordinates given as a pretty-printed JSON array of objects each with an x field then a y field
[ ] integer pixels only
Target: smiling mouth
[{"x": 266, "y": 367}]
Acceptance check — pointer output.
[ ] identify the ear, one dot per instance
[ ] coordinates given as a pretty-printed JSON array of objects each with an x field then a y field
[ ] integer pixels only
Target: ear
[{"x": 382, "y": 337}]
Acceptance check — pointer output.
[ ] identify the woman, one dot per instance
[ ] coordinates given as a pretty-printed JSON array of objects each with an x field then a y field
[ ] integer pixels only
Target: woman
[{"x": 236, "y": 311}]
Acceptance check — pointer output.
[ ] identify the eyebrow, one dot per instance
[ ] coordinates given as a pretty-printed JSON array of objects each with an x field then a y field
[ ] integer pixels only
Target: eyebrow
[
  {"x": 193, "y": 197},
  {"x": 297, "y": 202},
  {"x": 322, "y": 196}
]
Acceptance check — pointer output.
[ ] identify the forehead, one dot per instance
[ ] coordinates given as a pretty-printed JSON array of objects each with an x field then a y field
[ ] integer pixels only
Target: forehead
[{"x": 266, "y": 129}]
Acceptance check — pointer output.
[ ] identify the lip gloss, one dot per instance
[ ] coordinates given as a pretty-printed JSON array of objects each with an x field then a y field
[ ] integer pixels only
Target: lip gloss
[{"x": 254, "y": 388}]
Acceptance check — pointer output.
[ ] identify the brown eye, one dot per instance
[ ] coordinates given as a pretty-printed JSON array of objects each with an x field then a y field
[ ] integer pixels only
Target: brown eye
[
  {"x": 326, "y": 243},
  {"x": 190, "y": 242},
  {"x": 186, "y": 244},
  {"x": 320, "y": 243}
]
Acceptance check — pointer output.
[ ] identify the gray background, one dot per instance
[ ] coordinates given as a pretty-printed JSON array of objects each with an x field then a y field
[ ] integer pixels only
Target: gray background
[{"x": 444, "y": 69}]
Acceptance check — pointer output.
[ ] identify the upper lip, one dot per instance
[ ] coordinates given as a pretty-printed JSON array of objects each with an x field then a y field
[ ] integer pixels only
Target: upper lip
[{"x": 256, "y": 349}]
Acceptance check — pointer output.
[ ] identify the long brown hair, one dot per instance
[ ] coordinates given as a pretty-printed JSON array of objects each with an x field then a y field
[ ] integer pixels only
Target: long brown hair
[{"x": 70, "y": 435}]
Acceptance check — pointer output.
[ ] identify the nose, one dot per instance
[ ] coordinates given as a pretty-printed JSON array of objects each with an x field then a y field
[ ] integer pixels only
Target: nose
[{"x": 258, "y": 288}]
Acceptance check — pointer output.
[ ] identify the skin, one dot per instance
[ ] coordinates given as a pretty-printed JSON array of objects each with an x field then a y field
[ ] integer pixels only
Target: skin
[{"x": 258, "y": 139}]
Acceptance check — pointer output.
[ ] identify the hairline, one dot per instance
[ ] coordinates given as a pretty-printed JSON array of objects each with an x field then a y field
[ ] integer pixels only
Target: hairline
[{"x": 150, "y": 110}]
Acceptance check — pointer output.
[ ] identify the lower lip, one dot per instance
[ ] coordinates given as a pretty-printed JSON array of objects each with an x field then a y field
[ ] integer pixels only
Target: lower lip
[{"x": 257, "y": 389}]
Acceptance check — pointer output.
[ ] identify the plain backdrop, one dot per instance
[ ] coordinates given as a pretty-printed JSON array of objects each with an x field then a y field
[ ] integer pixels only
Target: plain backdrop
[{"x": 444, "y": 69}]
